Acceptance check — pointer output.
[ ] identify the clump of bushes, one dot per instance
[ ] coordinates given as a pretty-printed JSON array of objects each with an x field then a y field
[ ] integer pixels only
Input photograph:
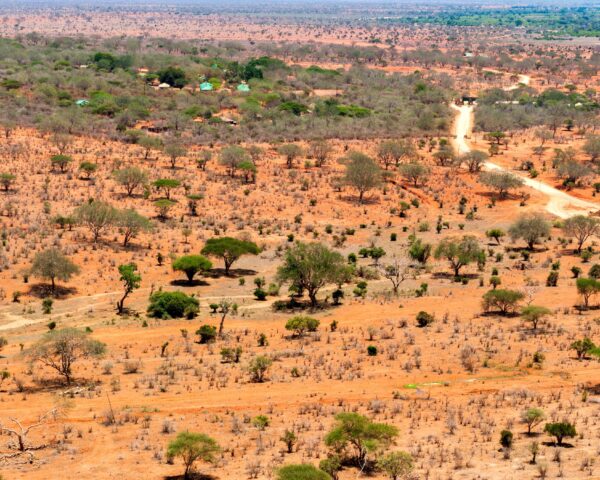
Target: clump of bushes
[{"x": 167, "y": 305}]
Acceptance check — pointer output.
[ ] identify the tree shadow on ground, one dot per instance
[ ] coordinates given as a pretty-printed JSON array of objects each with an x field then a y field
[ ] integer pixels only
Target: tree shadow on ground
[
  {"x": 191, "y": 476},
  {"x": 233, "y": 273},
  {"x": 44, "y": 290},
  {"x": 451, "y": 276},
  {"x": 497, "y": 313},
  {"x": 193, "y": 283},
  {"x": 294, "y": 305},
  {"x": 552, "y": 444},
  {"x": 58, "y": 383}
]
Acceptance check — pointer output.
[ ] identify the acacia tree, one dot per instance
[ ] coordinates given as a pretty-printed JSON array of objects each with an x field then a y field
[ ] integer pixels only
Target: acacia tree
[
  {"x": 148, "y": 144},
  {"x": 97, "y": 216},
  {"x": 474, "y": 160},
  {"x": 356, "y": 436},
  {"x": 587, "y": 287},
  {"x": 166, "y": 185},
  {"x": 131, "y": 224},
  {"x": 60, "y": 161},
  {"x": 131, "y": 178},
  {"x": 414, "y": 172},
  {"x": 311, "y": 266},
  {"x": 502, "y": 182},
  {"x": 60, "y": 349},
  {"x": 87, "y": 169},
  {"x": 193, "y": 447},
  {"x": 255, "y": 153},
  {"x": 396, "y": 465},
  {"x": 7, "y": 180},
  {"x": 290, "y": 151},
  {"x": 229, "y": 249},
  {"x": 231, "y": 157},
  {"x": 226, "y": 307},
  {"x": 390, "y": 152},
  {"x": 534, "y": 314},
  {"x": 174, "y": 151},
  {"x": 459, "y": 252},
  {"x": 362, "y": 173},
  {"x": 505, "y": 301},
  {"x": 52, "y": 265},
  {"x": 445, "y": 155},
  {"x": 320, "y": 151},
  {"x": 581, "y": 228},
  {"x": 592, "y": 147},
  {"x": 572, "y": 172},
  {"x": 191, "y": 265},
  {"x": 531, "y": 417},
  {"x": 530, "y": 227},
  {"x": 131, "y": 281}
]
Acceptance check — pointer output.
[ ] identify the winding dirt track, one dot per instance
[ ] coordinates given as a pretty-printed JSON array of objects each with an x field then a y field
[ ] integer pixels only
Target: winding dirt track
[{"x": 560, "y": 204}]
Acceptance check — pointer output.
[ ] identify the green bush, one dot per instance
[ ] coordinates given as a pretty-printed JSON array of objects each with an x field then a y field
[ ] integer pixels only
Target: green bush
[
  {"x": 302, "y": 471},
  {"x": 424, "y": 319},
  {"x": 207, "y": 333},
  {"x": 172, "y": 305},
  {"x": 301, "y": 324}
]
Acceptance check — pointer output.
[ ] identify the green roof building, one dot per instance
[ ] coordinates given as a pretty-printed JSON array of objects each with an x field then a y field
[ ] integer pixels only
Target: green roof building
[
  {"x": 243, "y": 87},
  {"x": 206, "y": 86}
]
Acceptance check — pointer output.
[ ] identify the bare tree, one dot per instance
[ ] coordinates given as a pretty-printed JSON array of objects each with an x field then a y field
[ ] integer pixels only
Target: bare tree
[{"x": 396, "y": 271}]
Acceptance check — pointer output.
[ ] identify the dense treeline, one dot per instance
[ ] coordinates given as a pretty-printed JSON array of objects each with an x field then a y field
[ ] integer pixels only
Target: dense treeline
[
  {"x": 501, "y": 110},
  {"x": 67, "y": 86}
]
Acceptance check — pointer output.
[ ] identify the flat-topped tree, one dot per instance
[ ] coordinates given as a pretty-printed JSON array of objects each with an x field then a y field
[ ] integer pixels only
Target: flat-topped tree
[
  {"x": 355, "y": 436},
  {"x": 87, "y": 169},
  {"x": 191, "y": 265},
  {"x": 7, "y": 180},
  {"x": 229, "y": 249},
  {"x": 248, "y": 171},
  {"x": 163, "y": 206},
  {"x": 193, "y": 447},
  {"x": 166, "y": 185},
  {"x": 60, "y": 161},
  {"x": 52, "y": 265}
]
